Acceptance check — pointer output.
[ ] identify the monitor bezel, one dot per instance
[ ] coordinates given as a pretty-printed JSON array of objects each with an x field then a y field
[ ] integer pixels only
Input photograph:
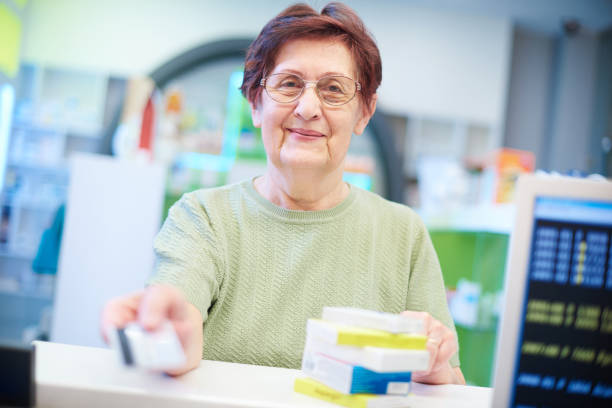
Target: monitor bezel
[{"x": 529, "y": 187}]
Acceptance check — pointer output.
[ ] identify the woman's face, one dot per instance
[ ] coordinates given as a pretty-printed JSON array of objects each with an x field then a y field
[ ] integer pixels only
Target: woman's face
[{"x": 308, "y": 134}]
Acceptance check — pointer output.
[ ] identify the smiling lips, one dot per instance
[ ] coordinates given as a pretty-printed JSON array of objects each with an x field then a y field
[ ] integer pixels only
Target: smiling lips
[{"x": 306, "y": 132}]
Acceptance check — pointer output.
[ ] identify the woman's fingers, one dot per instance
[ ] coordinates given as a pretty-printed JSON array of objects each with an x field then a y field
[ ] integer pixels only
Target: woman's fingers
[
  {"x": 447, "y": 348},
  {"x": 441, "y": 342},
  {"x": 423, "y": 316},
  {"x": 432, "y": 346},
  {"x": 118, "y": 312},
  {"x": 435, "y": 336},
  {"x": 161, "y": 303}
]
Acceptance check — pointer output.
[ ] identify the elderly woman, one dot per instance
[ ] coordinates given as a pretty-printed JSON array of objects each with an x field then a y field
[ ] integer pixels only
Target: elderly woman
[{"x": 240, "y": 268}]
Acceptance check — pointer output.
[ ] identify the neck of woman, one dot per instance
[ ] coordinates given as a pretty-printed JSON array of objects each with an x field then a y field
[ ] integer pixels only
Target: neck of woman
[{"x": 302, "y": 190}]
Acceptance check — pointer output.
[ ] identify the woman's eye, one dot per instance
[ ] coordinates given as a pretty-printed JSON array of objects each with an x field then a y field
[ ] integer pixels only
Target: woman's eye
[
  {"x": 333, "y": 88},
  {"x": 289, "y": 82}
]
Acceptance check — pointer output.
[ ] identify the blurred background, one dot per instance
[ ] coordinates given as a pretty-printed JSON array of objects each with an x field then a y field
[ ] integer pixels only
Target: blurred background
[{"x": 109, "y": 111}]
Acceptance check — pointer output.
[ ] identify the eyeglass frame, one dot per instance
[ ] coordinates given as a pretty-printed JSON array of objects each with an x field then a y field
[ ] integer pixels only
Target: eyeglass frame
[{"x": 262, "y": 83}]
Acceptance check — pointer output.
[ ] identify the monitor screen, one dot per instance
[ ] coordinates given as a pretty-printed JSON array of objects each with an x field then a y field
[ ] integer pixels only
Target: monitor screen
[
  {"x": 17, "y": 388},
  {"x": 564, "y": 353}
]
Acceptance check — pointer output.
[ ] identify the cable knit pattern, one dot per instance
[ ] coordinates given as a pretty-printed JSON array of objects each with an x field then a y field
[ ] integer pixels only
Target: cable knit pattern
[{"x": 257, "y": 271}]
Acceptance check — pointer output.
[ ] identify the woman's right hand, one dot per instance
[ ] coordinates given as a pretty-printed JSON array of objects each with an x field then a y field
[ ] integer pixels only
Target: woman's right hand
[{"x": 151, "y": 307}]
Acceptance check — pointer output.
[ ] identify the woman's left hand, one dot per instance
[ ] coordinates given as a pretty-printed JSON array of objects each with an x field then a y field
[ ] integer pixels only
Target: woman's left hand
[{"x": 441, "y": 344}]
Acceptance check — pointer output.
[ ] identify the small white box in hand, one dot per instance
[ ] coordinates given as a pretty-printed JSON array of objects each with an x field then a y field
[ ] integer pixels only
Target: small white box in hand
[
  {"x": 352, "y": 379},
  {"x": 381, "y": 360},
  {"x": 370, "y": 319},
  {"x": 158, "y": 350}
]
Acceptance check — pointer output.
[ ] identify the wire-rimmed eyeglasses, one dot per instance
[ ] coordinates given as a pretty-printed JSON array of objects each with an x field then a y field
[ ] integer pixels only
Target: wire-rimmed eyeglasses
[{"x": 332, "y": 89}]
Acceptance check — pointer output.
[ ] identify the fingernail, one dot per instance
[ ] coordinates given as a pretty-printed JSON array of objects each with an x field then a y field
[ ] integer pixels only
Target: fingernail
[{"x": 148, "y": 322}]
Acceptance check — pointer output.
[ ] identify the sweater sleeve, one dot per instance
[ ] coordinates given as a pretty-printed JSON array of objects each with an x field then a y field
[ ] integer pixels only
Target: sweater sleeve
[
  {"x": 185, "y": 254},
  {"x": 426, "y": 291}
]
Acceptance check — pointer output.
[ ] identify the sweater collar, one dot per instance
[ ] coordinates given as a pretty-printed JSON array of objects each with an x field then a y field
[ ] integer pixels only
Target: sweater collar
[{"x": 298, "y": 215}]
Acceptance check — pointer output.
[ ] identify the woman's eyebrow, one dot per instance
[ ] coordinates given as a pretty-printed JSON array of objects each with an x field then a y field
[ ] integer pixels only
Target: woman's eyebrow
[
  {"x": 300, "y": 74},
  {"x": 330, "y": 73},
  {"x": 288, "y": 71}
]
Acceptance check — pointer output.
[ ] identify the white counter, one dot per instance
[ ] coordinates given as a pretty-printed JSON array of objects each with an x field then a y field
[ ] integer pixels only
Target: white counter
[{"x": 74, "y": 376}]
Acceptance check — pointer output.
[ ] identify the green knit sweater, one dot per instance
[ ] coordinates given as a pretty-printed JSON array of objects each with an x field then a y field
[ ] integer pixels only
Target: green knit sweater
[{"x": 257, "y": 271}]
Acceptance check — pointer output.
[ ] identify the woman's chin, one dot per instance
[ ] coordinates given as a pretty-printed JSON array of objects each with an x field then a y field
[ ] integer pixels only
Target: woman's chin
[{"x": 305, "y": 161}]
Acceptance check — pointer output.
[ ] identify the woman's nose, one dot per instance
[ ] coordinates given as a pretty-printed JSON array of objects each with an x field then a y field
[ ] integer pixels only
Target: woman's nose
[{"x": 309, "y": 105}]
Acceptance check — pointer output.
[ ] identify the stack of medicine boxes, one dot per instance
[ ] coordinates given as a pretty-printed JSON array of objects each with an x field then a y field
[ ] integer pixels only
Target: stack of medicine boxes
[{"x": 351, "y": 355}]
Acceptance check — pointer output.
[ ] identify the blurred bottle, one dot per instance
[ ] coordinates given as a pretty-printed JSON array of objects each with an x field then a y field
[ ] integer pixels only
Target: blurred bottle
[
  {"x": 5, "y": 220},
  {"x": 146, "y": 129}
]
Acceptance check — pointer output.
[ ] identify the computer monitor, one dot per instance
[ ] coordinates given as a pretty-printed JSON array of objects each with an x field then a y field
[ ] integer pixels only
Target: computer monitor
[
  {"x": 555, "y": 340},
  {"x": 17, "y": 385}
]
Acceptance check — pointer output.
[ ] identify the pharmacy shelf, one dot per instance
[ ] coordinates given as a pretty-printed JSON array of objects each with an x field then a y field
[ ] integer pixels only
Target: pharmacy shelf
[
  {"x": 60, "y": 169},
  {"x": 32, "y": 295},
  {"x": 497, "y": 218},
  {"x": 22, "y": 255}
]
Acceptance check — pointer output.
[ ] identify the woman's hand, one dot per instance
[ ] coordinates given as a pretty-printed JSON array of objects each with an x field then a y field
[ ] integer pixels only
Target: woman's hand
[
  {"x": 152, "y": 306},
  {"x": 441, "y": 344}
]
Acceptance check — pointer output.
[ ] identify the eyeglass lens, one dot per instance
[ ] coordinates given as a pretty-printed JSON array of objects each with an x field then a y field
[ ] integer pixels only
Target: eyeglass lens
[{"x": 334, "y": 90}]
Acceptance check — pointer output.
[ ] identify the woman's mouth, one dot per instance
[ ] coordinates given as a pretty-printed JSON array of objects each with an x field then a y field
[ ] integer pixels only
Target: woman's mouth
[{"x": 305, "y": 133}]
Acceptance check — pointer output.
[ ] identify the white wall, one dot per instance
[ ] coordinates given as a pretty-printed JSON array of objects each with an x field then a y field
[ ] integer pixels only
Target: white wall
[
  {"x": 530, "y": 85},
  {"x": 434, "y": 63},
  {"x": 443, "y": 64},
  {"x": 573, "y": 108}
]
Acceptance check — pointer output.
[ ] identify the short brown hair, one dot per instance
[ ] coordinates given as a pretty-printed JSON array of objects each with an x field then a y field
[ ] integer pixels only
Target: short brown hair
[{"x": 336, "y": 20}]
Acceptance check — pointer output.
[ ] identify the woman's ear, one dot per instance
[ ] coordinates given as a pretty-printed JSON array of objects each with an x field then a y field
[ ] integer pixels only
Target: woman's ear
[
  {"x": 255, "y": 114},
  {"x": 365, "y": 115}
]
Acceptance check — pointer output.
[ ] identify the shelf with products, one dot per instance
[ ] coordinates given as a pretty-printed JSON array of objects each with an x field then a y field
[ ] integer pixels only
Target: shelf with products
[
  {"x": 40, "y": 295},
  {"x": 23, "y": 312},
  {"x": 61, "y": 98},
  {"x": 27, "y": 207},
  {"x": 19, "y": 255},
  {"x": 453, "y": 138},
  {"x": 473, "y": 266},
  {"x": 36, "y": 148},
  {"x": 54, "y": 107},
  {"x": 34, "y": 206},
  {"x": 494, "y": 218},
  {"x": 59, "y": 170},
  {"x": 18, "y": 278},
  {"x": 470, "y": 218},
  {"x": 453, "y": 174},
  {"x": 57, "y": 111}
]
